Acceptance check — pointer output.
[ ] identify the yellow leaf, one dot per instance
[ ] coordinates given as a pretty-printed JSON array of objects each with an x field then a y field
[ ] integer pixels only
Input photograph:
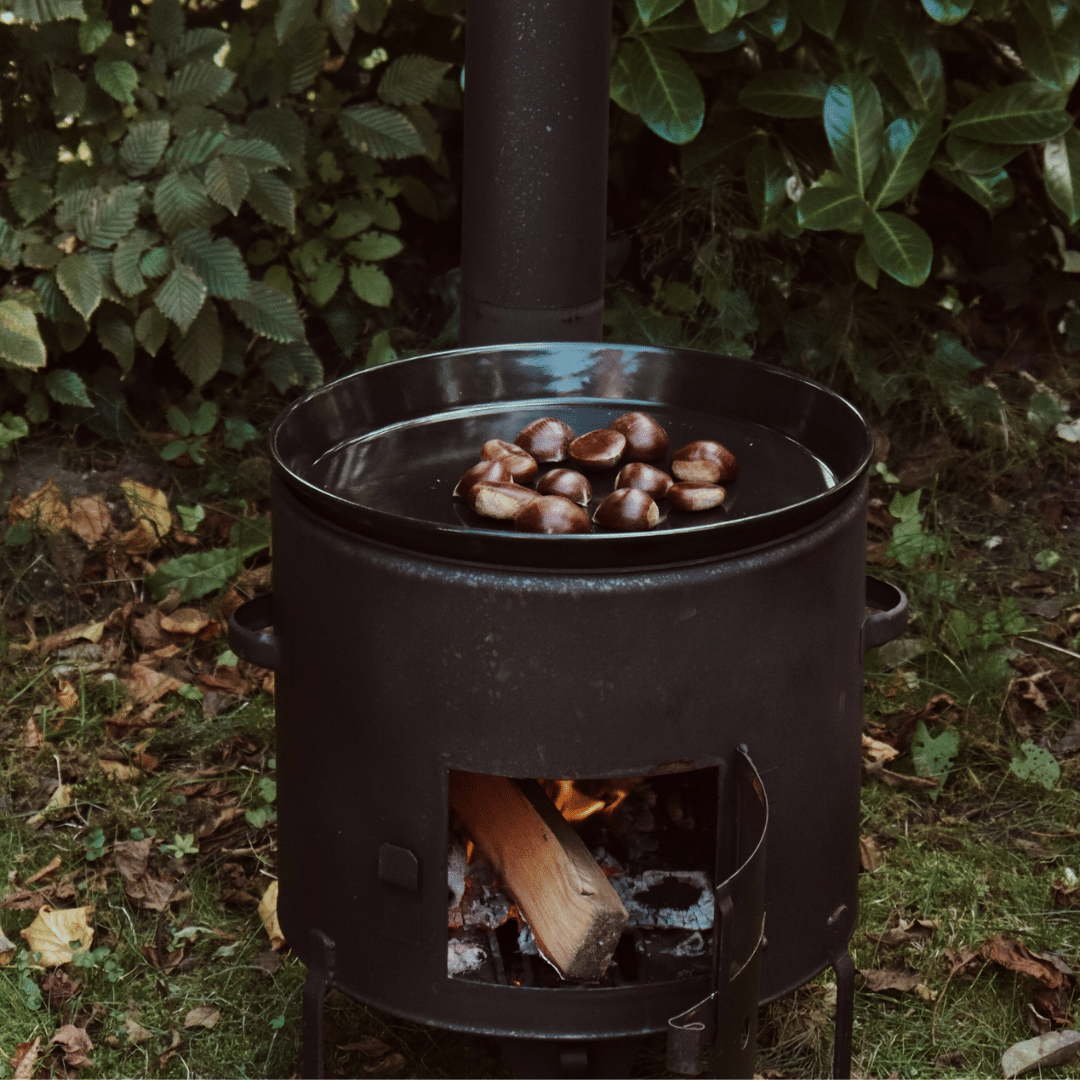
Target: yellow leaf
[
  {"x": 61, "y": 799},
  {"x": 45, "y": 508},
  {"x": 53, "y": 930},
  {"x": 148, "y": 504},
  {"x": 268, "y": 915}
]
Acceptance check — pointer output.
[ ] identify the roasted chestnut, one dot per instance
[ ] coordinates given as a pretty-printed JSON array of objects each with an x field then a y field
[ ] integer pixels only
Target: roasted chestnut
[
  {"x": 565, "y": 482},
  {"x": 599, "y": 449},
  {"x": 486, "y": 470},
  {"x": 645, "y": 477},
  {"x": 552, "y": 514},
  {"x": 646, "y": 440},
  {"x": 695, "y": 495},
  {"x": 498, "y": 499},
  {"x": 628, "y": 510},
  {"x": 705, "y": 461},
  {"x": 522, "y": 464},
  {"x": 546, "y": 439}
]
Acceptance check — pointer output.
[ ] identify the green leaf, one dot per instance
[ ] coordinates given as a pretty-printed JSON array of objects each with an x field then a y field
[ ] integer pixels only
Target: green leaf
[
  {"x": 80, "y": 281},
  {"x": 821, "y": 15},
  {"x": 832, "y": 204},
  {"x": 43, "y": 11},
  {"x": 1036, "y": 764},
  {"x": 282, "y": 129},
  {"x": 272, "y": 200},
  {"x": 181, "y": 202},
  {"x": 683, "y": 30},
  {"x": 197, "y": 574},
  {"x": 766, "y": 183},
  {"x": 290, "y": 16},
  {"x": 371, "y": 285},
  {"x": 994, "y": 193},
  {"x": 165, "y": 21},
  {"x": 12, "y": 428},
  {"x": 947, "y": 12},
  {"x": 195, "y": 146},
  {"x": 339, "y": 17},
  {"x": 375, "y": 246},
  {"x": 20, "y": 339},
  {"x": 951, "y": 358},
  {"x": 622, "y": 80},
  {"x": 117, "y": 78},
  {"x": 1061, "y": 173},
  {"x": 411, "y": 80},
  {"x": 349, "y": 222},
  {"x": 785, "y": 93},
  {"x": 157, "y": 262},
  {"x": 67, "y": 388},
  {"x": 651, "y": 10},
  {"x": 1050, "y": 54},
  {"x": 105, "y": 217},
  {"x": 380, "y": 131},
  {"x": 116, "y": 336},
  {"x": 980, "y": 158},
  {"x": 199, "y": 352},
  {"x": 269, "y": 312},
  {"x": 201, "y": 43},
  {"x": 41, "y": 256},
  {"x": 910, "y": 143},
  {"x": 291, "y": 365},
  {"x": 668, "y": 95},
  {"x": 771, "y": 21},
  {"x": 30, "y": 197},
  {"x": 1051, "y": 13},
  {"x": 900, "y": 247},
  {"x": 238, "y": 432},
  {"x": 866, "y": 266},
  {"x": 257, "y": 154},
  {"x": 716, "y": 14},
  {"x": 93, "y": 33},
  {"x": 934, "y": 757},
  {"x": 305, "y": 51},
  {"x": 199, "y": 83},
  {"x": 326, "y": 281},
  {"x": 69, "y": 94},
  {"x": 181, "y": 296},
  {"x": 1024, "y": 112},
  {"x": 227, "y": 182},
  {"x": 151, "y": 329},
  {"x": 911, "y": 63},
  {"x": 854, "y": 125},
  {"x": 218, "y": 262},
  {"x": 143, "y": 146}
]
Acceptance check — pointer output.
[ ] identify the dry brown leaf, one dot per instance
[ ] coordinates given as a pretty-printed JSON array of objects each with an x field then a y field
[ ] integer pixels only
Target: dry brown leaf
[
  {"x": 874, "y": 750},
  {"x": 871, "y": 857},
  {"x": 202, "y": 1016},
  {"x": 58, "y": 987},
  {"x": 371, "y": 1046},
  {"x": 53, "y": 929},
  {"x": 61, "y": 799},
  {"x": 149, "y": 890},
  {"x": 1054, "y": 1048},
  {"x": 391, "y": 1065},
  {"x": 53, "y": 864},
  {"x": 25, "y": 1060},
  {"x": 63, "y": 638},
  {"x": 119, "y": 771},
  {"x": 187, "y": 620},
  {"x": 268, "y": 916},
  {"x": 91, "y": 521},
  {"x": 1065, "y": 896},
  {"x": 7, "y": 948},
  {"x": 45, "y": 508},
  {"x": 173, "y": 1049},
  {"x": 67, "y": 697},
  {"x": 136, "y": 1033},
  {"x": 146, "y": 685},
  {"x": 1014, "y": 956},
  {"x": 902, "y": 979},
  {"x": 901, "y": 931},
  {"x": 150, "y": 505},
  {"x": 923, "y": 464},
  {"x": 33, "y": 737},
  {"x": 75, "y": 1043}
]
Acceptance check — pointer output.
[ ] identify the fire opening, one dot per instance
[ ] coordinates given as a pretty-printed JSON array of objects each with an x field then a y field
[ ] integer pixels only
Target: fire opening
[{"x": 594, "y": 882}]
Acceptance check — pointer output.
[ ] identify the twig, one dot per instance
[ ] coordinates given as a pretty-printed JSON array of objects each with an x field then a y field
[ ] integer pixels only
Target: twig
[{"x": 1056, "y": 648}]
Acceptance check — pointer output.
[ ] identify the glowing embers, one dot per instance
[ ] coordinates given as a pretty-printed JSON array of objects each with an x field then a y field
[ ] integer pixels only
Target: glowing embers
[{"x": 653, "y": 839}]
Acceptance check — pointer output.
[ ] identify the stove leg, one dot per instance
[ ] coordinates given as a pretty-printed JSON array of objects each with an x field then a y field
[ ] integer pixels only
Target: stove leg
[
  {"x": 844, "y": 967},
  {"x": 320, "y": 977}
]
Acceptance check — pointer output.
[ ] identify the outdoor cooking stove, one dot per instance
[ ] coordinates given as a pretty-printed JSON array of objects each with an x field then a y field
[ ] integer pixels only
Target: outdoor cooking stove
[{"x": 719, "y": 657}]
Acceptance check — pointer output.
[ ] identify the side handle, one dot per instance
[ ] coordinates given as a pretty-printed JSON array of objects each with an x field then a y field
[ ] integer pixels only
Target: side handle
[
  {"x": 889, "y": 620},
  {"x": 248, "y": 636}
]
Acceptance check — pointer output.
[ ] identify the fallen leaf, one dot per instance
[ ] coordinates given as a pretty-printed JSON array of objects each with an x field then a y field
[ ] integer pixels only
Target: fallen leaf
[
  {"x": 119, "y": 771},
  {"x": 45, "y": 508},
  {"x": 896, "y": 780},
  {"x": 202, "y": 1016},
  {"x": 7, "y": 947},
  {"x": 871, "y": 857},
  {"x": 1064, "y": 895},
  {"x": 371, "y": 1046},
  {"x": 53, "y": 864},
  {"x": 75, "y": 1043},
  {"x": 91, "y": 632},
  {"x": 61, "y": 799},
  {"x": 136, "y": 1033},
  {"x": 149, "y": 505},
  {"x": 67, "y": 697},
  {"x": 874, "y": 750},
  {"x": 902, "y": 931},
  {"x": 951, "y": 1059},
  {"x": 58, "y": 987},
  {"x": 902, "y": 979},
  {"x": 1014, "y": 956},
  {"x": 32, "y": 735},
  {"x": 172, "y": 1050},
  {"x": 268, "y": 916},
  {"x": 147, "y": 685},
  {"x": 90, "y": 520},
  {"x": 923, "y": 464},
  {"x": 149, "y": 890},
  {"x": 268, "y": 962},
  {"x": 391, "y": 1065},
  {"x": 25, "y": 1060},
  {"x": 53, "y": 929},
  {"x": 186, "y": 620},
  {"x": 1053, "y": 1048}
]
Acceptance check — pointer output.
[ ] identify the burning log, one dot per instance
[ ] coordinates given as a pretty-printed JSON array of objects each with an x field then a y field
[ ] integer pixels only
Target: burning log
[{"x": 573, "y": 911}]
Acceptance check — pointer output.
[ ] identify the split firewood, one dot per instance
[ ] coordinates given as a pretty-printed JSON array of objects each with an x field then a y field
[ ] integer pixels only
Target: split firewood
[{"x": 575, "y": 914}]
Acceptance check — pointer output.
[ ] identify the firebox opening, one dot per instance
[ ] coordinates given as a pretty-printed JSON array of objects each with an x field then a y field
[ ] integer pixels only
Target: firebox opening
[{"x": 600, "y": 882}]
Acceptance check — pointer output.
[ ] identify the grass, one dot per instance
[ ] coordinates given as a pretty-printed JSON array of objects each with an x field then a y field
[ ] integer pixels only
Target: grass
[{"x": 195, "y": 990}]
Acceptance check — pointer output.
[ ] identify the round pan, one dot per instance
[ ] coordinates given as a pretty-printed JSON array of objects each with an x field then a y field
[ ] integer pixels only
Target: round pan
[{"x": 380, "y": 451}]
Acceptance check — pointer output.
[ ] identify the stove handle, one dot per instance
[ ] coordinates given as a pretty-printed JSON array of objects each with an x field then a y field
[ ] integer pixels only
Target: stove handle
[
  {"x": 889, "y": 620},
  {"x": 248, "y": 634}
]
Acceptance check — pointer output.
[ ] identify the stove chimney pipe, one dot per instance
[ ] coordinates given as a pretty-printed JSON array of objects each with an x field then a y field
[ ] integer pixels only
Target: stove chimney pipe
[{"x": 535, "y": 170}]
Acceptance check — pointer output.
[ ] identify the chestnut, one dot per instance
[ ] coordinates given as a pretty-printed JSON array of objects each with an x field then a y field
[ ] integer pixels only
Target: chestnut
[
  {"x": 565, "y": 482},
  {"x": 628, "y": 510},
  {"x": 598, "y": 449},
  {"x": 499, "y": 499},
  {"x": 646, "y": 477},
  {"x": 546, "y": 439},
  {"x": 705, "y": 461},
  {"x": 695, "y": 495},
  {"x": 552, "y": 514},
  {"x": 646, "y": 440},
  {"x": 522, "y": 464},
  {"x": 487, "y": 470}
]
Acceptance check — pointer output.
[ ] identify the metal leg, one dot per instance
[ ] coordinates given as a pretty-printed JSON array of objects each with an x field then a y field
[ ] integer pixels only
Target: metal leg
[
  {"x": 844, "y": 967},
  {"x": 320, "y": 977}
]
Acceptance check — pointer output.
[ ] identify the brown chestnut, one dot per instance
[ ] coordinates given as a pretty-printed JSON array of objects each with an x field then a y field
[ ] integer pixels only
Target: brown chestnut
[
  {"x": 500, "y": 500},
  {"x": 599, "y": 449},
  {"x": 522, "y": 464},
  {"x": 546, "y": 439},
  {"x": 567, "y": 483},
  {"x": 628, "y": 510},
  {"x": 694, "y": 495},
  {"x": 646, "y": 477},
  {"x": 486, "y": 470},
  {"x": 705, "y": 461},
  {"x": 646, "y": 440},
  {"x": 552, "y": 514}
]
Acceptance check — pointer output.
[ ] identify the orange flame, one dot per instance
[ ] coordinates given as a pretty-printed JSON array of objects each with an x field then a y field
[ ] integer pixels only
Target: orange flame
[{"x": 576, "y": 803}]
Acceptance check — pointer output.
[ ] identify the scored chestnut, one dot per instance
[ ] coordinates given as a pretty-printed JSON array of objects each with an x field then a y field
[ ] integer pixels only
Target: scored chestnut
[
  {"x": 552, "y": 514},
  {"x": 648, "y": 478},
  {"x": 522, "y": 464},
  {"x": 646, "y": 440},
  {"x": 546, "y": 439},
  {"x": 705, "y": 461},
  {"x": 499, "y": 499},
  {"x": 568, "y": 483},
  {"x": 599, "y": 449},
  {"x": 628, "y": 510},
  {"x": 695, "y": 495},
  {"x": 486, "y": 470}
]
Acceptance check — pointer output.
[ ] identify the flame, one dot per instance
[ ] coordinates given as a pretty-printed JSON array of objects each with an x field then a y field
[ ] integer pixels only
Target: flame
[
  {"x": 575, "y": 805},
  {"x": 578, "y": 800}
]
